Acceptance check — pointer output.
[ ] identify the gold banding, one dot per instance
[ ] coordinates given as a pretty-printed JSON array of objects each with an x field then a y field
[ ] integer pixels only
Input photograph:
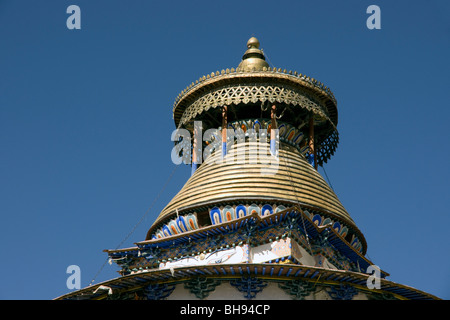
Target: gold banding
[{"x": 294, "y": 179}]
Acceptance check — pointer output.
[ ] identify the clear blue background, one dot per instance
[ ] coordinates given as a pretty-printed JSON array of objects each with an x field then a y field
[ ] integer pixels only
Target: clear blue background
[{"x": 85, "y": 124}]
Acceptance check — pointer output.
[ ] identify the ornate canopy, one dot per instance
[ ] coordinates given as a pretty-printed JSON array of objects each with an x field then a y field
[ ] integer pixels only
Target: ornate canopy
[{"x": 253, "y": 85}]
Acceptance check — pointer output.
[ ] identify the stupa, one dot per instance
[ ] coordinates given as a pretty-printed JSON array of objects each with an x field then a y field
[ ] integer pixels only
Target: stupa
[{"x": 255, "y": 220}]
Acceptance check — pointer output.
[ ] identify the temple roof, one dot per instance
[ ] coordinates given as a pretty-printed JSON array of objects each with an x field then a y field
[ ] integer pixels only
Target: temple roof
[
  {"x": 245, "y": 196},
  {"x": 293, "y": 180},
  {"x": 307, "y": 224},
  {"x": 306, "y": 273}
]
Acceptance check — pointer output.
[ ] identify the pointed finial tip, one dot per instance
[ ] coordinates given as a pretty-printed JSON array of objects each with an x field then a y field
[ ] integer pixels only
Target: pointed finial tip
[
  {"x": 253, "y": 59},
  {"x": 253, "y": 43}
]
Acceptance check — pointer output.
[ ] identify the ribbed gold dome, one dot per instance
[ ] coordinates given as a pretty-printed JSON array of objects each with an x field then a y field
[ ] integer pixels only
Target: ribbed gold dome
[{"x": 293, "y": 180}]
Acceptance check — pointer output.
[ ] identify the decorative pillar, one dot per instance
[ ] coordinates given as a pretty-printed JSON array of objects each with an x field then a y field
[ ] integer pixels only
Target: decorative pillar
[
  {"x": 224, "y": 130},
  {"x": 312, "y": 151},
  {"x": 196, "y": 149},
  {"x": 273, "y": 127}
]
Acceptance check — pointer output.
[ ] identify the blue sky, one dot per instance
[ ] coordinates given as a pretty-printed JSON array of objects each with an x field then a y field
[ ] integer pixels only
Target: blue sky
[{"x": 85, "y": 123}]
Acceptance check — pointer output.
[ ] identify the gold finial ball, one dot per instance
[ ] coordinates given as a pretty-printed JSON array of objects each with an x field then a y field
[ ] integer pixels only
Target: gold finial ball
[{"x": 253, "y": 43}]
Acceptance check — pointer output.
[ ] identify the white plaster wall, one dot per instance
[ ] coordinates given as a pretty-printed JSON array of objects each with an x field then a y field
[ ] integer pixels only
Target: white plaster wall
[
  {"x": 306, "y": 258},
  {"x": 225, "y": 291},
  {"x": 361, "y": 296},
  {"x": 319, "y": 295}
]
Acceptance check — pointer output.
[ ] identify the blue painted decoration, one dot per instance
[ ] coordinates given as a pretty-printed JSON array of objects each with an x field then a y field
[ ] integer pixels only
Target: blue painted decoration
[
  {"x": 215, "y": 215},
  {"x": 253, "y": 208},
  {"x": 241, "y": 211},
  {"x": 317, "y": 219},
  {"x": 228, "y": 214},
  {"x": 266, "y": 210}
]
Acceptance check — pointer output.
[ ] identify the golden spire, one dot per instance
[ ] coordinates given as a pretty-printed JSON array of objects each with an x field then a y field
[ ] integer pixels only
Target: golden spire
[{"x": 253, "y": 58}]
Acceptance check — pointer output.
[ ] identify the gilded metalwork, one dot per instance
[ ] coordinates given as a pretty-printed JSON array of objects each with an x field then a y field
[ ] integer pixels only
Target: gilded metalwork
[
  {"x": 253, "y": 58},
  {"x": 295, "y": 180},
  {"x": 255, "y": 82},
  {"x": 272, "y": 76},
  {"x": 254, "y": 93}
]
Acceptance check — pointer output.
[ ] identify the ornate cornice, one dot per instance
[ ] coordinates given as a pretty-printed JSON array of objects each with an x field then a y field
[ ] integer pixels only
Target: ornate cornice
[
  {"x": 293, "y": 82},
  {"x": 266, "y": 272}
]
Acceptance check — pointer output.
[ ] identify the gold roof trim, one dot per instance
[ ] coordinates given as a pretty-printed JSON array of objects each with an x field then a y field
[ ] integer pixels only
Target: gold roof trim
[
  {"x": 252, "y": 93},
  {"x": 236, "y": 77}
]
